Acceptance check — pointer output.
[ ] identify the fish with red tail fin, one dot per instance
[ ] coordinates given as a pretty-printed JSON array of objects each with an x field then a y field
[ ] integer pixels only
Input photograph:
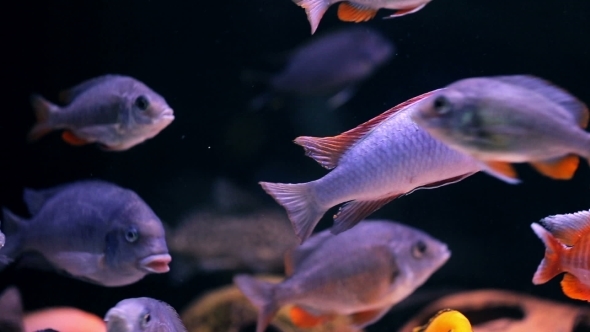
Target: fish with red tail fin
[
  {"x": 567, "y": 240},
  {"x": 380, "y": 160}
]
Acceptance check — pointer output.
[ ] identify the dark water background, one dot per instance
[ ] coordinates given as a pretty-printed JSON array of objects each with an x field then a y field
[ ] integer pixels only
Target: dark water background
[{"x": 192, "y": 52}]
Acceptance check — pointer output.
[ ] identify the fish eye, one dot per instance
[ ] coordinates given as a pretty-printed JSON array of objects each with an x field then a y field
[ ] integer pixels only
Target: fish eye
[
  {"x": 419, "y": 249},
  {"x": 442, "y": 105},
  {"x": 131, "y": 235},
  {"x": 142, "y": 103},
  {"x": 146, "y": 319}
]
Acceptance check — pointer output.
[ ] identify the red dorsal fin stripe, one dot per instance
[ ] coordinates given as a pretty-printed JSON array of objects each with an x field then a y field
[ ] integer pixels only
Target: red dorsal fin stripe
[
  {"x": 353, "y": 13},
  {"x": 328, "y": 150}
]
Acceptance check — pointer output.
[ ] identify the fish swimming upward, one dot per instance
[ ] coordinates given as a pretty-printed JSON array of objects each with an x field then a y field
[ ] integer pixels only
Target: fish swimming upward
[
  {"x": 93, "y": 230},
  {"x": 446, "y": 320},
  {"x": 117, "y": 112},
  {"x": 143, "y": 314},
  {"x": 361, "y": 273},
  {"x": 373, "y": 164},
  {"x": 567, "y": 241},
  {"x": 357, "y": 10},
  {"x": 510, "y": 119}
]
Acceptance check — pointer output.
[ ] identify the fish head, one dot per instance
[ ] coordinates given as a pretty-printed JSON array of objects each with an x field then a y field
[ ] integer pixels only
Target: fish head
[
  {"x": 142, "y": 315},
  {"x": 374, "y": 47}
]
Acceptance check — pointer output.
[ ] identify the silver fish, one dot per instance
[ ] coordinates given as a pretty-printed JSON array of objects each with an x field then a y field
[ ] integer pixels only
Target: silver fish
[
  {"x": 509, "y": 119},
  {"x": 373, "y": 164},
  {"x": 93, "y": 230},
  {"x": 118, "y": 112},
  {"x": 143, "y": 314},
  {"x": 361, "y": 273},
  {"x": 357, "y": 10}
]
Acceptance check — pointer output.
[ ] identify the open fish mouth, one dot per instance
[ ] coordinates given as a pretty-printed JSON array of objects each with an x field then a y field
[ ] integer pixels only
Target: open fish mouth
[
  {"x": 156, "y": 263},
  {"x": 116, "y": 322},
  {"x": 167, "y": 114}
]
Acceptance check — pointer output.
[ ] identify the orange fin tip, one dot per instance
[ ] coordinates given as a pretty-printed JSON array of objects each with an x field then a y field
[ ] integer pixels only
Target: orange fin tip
[
  {"x": 574, "y": 288},
  {"x": 304, "y": 319},
  {"x": 355, "y": 13},
  {"x": 72, "y": 139},
  {"x": 502, "y": 170},
  {"x": 560, "y": 169}
]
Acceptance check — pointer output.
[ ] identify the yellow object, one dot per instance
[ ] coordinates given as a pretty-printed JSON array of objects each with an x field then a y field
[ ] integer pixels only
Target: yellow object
[{"x": 446, "y": 320}]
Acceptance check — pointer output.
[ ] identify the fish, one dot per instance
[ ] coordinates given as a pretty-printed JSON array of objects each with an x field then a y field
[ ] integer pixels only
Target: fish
[
  {"x": 501, "y": 120},
  {"x": 378, "y": 161},
  {"x": 361, "y": 273},
  {"x": 357, "y": 10},
  {"x": 331, "y": 65},
  {"x": 567, "y": 239},
  {"x": 116, "y": 112},
  {"x": 92, "y": 230},
  {"x": 63, "y": 319},
  {"x": 143, "y": 314},
  {"x": 11, "y": 310},
  {"x": 446, "y": 320}
]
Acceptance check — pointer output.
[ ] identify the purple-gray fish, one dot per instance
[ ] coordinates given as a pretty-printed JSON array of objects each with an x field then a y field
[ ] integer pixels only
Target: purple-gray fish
[
  {"x": 361, "y": 273},
  {"x": 117, "y": 112},
  {"x": 510, "y": 119},
  {"x": 331, "y": 65},
  {"x": 357, "y": 10},
  {"x": 143, "y": 314},
  {"x": 93, "y": 230},
  {"x": 373, "y": 164},
  {"x": 11, "y": 310}
]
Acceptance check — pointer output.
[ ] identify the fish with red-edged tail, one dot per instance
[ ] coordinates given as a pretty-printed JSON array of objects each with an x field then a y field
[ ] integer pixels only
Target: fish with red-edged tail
[
  {"x": 361, "y": 273},
  {"x": 510, "y": 119},
  {"x": 372, "y": 164},
  {"x": 117, "y": 112},
  {"x": 357, "y": 10},
  {"x": 567, "y": 241}
]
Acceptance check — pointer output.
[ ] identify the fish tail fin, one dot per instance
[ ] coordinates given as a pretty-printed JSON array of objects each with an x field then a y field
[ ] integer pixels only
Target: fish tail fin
[
  {"x": 43, "y": 110},
  {"x": 300, "y": 203},
  {"x": 315, "y": 10},
  {"x": 261, "y": 294},
  {"x": 550, "y": 265},
  {"x": 12, "y": 228}
]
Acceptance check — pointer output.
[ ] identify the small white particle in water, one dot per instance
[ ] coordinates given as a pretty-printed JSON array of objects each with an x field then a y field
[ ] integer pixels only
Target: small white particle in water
[{"x": 208, "y": 147}]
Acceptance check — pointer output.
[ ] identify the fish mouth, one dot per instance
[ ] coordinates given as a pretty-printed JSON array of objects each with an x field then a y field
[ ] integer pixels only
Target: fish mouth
[
  {"x": 156, "y": 263},
  {"x": 168, "y": 113},
  {"x": 116, "y": 322}
]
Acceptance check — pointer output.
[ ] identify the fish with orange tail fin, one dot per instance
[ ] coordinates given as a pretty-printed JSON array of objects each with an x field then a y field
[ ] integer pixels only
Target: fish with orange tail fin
[
  {"x": 357, "y": 10},
  {"x": 567, "y": 240},
  {"x": 502, "y": 120},
  {"x": 378, "y": 161},
  {"x": 361, "y": 273},
  {"x": 446, "y": 320}
]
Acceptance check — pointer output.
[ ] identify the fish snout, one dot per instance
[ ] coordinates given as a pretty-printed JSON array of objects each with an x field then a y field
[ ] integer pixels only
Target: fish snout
[
  {"x": 116, "y": 322},
  {"x": 156, "y": 263}
]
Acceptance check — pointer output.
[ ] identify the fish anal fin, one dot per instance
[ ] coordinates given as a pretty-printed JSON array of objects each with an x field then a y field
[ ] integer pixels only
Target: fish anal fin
[
  {"x": 406, "y": 11},
  {"x": 72, "y": 139},
  {"x": 502, "y": 170},
  {"x": 444, "y": 182},
  {"x": 328, "y": 150},
  {"x": 353, "y": 212},
  {"x": 304, "y": 319},
  {"x": 568, "y": 228},
  {"x": 355, "y": 13},
  {"x": 560, "y": 169},
  {"x": 574, "y": 288},
  {"x": 364, "y": 318}
]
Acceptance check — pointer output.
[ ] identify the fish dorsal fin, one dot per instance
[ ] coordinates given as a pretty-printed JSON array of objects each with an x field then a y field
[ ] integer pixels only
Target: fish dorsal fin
[
  {"x": 350, "y": 12},
  {"x": 66, "y": 96},
  {"x": 35, "y": 199},
  {"x": 294, "y": 256},
  {"x": 578, "y": 109},
  {"x": 328, "y": 150},
  {"x": 568, "y": 228}
]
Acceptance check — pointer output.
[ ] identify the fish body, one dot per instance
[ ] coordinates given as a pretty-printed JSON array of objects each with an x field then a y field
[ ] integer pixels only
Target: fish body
[
  {"x": 372, "y": 164},
  {"x": 62, "y": 319},
  {"x": 567, "y": 241},
  {"x": 11, "y": 310},
  {"x": 510, "y": 119},
  {"x": 93, "y": 230},
  {"x": 143, "y": 314},
  {"x": 446, "y": 320},
  {"x": 357, "y": 10},
  {"x": 361, "y": 273},
  {"x": 118, "y": 112}
]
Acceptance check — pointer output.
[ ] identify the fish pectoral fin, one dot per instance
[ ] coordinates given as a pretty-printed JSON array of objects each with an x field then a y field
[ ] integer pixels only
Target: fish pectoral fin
[
  {"x": 405, "y": 11},
  {"x": 364, "y": 318},
  {"x": 574, "y": 288},
  {"x": 350, "y": 12},
  {"x": 502, "y": 170},
  {"x": 304, "y": 319},
  {"x": 559, "y": 169},
  {"x": 72, "y": 139},
  {"x": 354, "y": 211}
]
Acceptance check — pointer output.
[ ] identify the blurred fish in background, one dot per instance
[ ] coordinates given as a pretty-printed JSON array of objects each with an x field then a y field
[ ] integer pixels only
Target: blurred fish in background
[
  {"x": 361, "y": 273},
  {"x": 117, "y": 112},
  {"x": 143, "y": 314},
  {"x": 63, "y": 319},
  {"x": 11, "y": 310},
  {"x": 446, "y": 320},
  {"x": 93, "y": 230}
]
